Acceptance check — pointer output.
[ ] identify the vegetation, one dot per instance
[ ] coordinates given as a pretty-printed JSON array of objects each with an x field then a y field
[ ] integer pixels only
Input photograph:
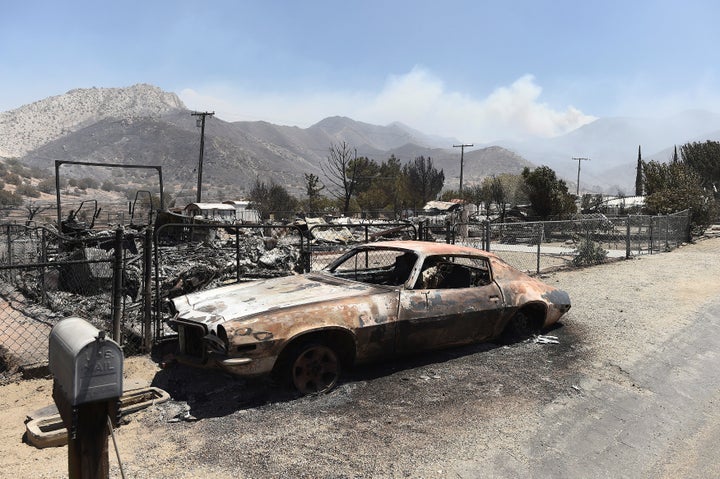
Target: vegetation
[
  {"x": 8, "y": 199},
  {"x": 590, "y": 203},
  {"x": 673, "y": 187},
  {"x": 272, "y": 198},
  {"x": 47, "y": 185},
  {"x": 341, "y": 173},
  {"x": 548, "y": 195},
  {"x": 704, "y": 159},
  {"x": 361, "y": 184},
  {"x": 423, "y": 180},
  {"x": 639, "y": 174},
  {"x": 315, "y": 202},
  {"x": 385, "y": 190},
  {"x": 27, "y": 190},
  {"x": 589, "y": 253}
]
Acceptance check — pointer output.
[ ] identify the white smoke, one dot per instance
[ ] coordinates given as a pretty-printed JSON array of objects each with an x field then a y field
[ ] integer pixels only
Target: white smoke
[{"x": 417, "y": 99}]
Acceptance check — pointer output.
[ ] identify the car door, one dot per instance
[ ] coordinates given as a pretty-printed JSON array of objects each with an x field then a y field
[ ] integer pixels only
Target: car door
[{"x": 460, "y": 309}]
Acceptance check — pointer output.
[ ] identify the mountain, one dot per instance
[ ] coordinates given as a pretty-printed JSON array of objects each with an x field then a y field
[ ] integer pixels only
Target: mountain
[
  {"x": 33, "y": 125},
  {"x": 612, "y": 146},
  {"x": 142, "y": 125}
]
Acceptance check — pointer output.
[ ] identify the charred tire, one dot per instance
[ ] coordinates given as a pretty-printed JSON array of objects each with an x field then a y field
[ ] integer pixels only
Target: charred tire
[
  {"x": 312, "y": 368},
  {"x": 522, "y": 326}
]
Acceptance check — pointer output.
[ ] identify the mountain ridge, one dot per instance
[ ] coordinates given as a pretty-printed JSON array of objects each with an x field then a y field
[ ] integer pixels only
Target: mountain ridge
[
  {"x": 30, "y": 126},
  {"x": 143, "y": 124}
]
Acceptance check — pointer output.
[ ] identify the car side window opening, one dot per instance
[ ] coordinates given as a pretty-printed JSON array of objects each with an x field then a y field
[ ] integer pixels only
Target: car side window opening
[
  {"x": 449, "y": 272},
  {"x": 377, "y": 266}
]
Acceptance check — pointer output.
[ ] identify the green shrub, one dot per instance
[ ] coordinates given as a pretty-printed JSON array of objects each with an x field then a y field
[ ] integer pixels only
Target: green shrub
[
  {"x": 8, "y": 198},
  {"x": 47, "y": 185},
  {"x": 589, "y": 253},
  {"x": 27, "y": 190},
  {"x": 12, "y": 178}
]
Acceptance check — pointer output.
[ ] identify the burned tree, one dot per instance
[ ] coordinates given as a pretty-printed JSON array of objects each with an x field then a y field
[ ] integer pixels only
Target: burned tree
[{"x": 340, "y": 171}]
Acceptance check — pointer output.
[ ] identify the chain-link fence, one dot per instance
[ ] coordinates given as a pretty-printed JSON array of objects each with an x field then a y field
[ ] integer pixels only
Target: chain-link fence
[
  {"x": 120, "y": 280},
  {"x": 536, "y": 247},
  {"x": 194, "y": 257},
  {"x": 45, "y": 277},
  {"x": 326, "y": 242}
]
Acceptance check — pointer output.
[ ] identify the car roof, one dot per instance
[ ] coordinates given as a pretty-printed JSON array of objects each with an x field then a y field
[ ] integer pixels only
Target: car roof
[{"x": 428, "y": 248}]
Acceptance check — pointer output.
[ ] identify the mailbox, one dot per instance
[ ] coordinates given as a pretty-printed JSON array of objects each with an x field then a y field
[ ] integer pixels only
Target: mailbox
[{"x": 86, "y": 366}]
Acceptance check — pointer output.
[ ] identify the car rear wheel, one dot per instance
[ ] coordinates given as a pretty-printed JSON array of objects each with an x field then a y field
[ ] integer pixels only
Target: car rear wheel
[
  {"x": 522, "y": 326},
  {"x": 314, "y": 368}
]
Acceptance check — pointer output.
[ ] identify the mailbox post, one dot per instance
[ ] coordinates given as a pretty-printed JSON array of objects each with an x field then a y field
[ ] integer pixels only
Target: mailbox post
[{"x": 87, "y": 371}]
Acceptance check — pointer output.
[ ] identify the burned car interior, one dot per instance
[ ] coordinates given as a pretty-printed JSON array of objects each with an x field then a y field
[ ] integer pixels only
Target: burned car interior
[{"x": 396, "y": 268}]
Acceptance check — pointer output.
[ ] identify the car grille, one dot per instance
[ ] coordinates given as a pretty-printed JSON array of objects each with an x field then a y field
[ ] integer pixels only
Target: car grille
[{"x": 191, "y": 340}]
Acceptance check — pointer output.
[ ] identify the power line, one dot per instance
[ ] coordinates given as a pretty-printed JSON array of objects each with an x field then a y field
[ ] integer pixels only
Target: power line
[
  {"x": 578, "y": 159},
  {"x": 201, "y": 124},
  {"x": 462, "y": 154}
]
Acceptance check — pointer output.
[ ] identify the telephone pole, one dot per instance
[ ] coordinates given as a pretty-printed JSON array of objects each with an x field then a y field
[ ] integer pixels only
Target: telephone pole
[
  {"x": 578, "y": 159},
  {"x": 462, "y": 154},
  {"x": 201, "y": 123}
]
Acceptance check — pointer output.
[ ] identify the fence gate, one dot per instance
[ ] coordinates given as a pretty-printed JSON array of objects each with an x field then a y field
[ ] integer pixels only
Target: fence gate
[{"x": 45, "y": 277}]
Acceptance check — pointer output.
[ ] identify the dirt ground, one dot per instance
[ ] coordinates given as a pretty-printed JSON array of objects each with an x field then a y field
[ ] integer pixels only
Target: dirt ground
[{"x": 603, "y": 402}]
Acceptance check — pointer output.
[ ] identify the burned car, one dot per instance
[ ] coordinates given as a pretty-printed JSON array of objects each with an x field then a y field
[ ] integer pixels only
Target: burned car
[{"x": 374, "y": 302}]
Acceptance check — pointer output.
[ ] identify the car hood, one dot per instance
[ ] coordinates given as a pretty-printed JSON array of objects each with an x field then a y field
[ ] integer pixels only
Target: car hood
[{"x": 246, "y": 300}]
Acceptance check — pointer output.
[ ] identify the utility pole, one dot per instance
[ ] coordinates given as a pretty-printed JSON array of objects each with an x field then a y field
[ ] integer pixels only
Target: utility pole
[
  {"x": 578, "y": 159},
  {"x": 201, "y": 123},
  {"x": 462, "y": 154}
]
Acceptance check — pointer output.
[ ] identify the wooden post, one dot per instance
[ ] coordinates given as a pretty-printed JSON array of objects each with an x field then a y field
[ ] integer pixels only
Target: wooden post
[{"x": 88, "y": 451}]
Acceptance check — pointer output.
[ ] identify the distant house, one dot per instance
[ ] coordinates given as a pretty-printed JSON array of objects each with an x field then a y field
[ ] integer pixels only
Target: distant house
[
  {"x": 442, "y": 207},
  {"x": 220, "y": 212},
  {"x": 622, "y": 205},
  {"x": 243, "y": 212}
]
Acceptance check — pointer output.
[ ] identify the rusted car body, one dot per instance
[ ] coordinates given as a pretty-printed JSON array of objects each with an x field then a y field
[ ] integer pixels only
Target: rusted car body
[{"x": 376, "y": 301}]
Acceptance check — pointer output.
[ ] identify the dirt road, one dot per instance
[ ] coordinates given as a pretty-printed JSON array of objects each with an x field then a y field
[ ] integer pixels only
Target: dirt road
[{"x": 630, "y": 391}]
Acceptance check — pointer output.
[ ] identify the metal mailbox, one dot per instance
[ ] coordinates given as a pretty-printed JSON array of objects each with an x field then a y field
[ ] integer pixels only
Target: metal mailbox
[{"x": 86, "y": 366}]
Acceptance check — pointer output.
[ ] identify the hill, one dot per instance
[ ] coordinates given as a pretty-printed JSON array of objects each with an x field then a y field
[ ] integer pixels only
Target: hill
[
  {"x": 142, "y": 125},
  {"x": 612, "y": 146},
  {"x": 34, "y": 125}
]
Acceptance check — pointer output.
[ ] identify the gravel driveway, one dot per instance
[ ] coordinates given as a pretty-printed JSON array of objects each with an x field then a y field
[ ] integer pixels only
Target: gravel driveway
[{"x": 629, "y": 391}]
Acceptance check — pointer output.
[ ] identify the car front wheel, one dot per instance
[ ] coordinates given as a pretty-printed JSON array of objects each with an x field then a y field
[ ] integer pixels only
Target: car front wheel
[{"x": 314, "y": 368}]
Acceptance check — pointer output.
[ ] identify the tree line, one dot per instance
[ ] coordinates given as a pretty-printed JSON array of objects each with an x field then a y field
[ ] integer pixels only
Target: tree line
[
  {"x": 355, "y": 184},
  {"x": 689, "y": 180}
]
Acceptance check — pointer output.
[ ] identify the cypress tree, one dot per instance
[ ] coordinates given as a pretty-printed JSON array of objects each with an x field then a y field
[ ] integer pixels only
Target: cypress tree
[{"x": 639, "y": 175}]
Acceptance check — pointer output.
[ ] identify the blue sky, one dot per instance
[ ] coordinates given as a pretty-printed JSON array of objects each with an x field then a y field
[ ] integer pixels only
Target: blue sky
[{"x": 474, "y": 70}]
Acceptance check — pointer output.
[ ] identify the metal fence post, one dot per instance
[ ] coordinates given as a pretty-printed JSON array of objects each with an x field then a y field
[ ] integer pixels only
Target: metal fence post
[
  {"x": 43, "y": 258},
  {"x": 156, "y": 281},
  {"x": 627, "y": 237},
  {"x": 117, "y": 285},
  {"x": 237, "y": 254},
  {"x": 652, "y": 243},
  {"x": 147, "y": 289},
  {"x": 541, "y": 236},
  {"x": 9, "y": 246},
  {"x": 487, "y": 236}
]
